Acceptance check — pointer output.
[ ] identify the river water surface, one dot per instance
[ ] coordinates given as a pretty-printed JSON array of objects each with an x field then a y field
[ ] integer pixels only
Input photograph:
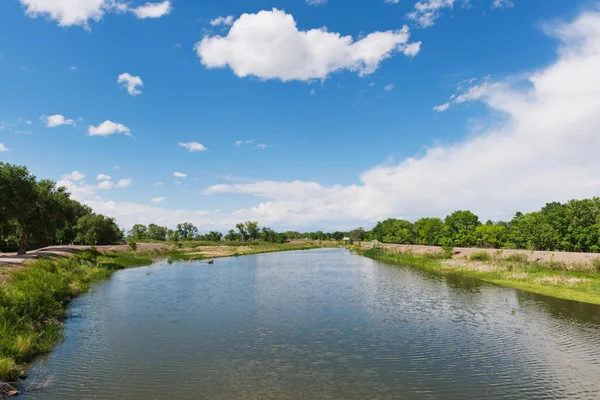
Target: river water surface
[{"x": 320, "y": 324}]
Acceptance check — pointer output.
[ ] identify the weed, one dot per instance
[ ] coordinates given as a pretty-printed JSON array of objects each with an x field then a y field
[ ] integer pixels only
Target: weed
[
  {"x": 596, "y": 264},
  {"x": 516, "y": 258},
  {"x": 480, "y": 256}
]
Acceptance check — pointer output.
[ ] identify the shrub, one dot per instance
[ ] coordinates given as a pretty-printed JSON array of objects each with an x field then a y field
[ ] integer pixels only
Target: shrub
[
  {"x": 596, "y": 264},
  {"x": 518, "y": 258},
  {"x": 480, "y": 256},
  {"x": 438, "y": 255},
  {"x": 132, "y": 245},
  {"x": 90, "y": 255}
]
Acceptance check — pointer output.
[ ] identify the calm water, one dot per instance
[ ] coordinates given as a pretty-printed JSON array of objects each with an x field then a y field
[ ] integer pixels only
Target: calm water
[{"x": 321, "y": 324}]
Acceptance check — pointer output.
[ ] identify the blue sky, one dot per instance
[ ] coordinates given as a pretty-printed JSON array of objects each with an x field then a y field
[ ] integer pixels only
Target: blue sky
[{"x": 341, "y": 131}]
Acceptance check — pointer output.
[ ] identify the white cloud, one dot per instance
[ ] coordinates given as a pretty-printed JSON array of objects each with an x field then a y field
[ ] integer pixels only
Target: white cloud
[
  {"x": 312, "y": 92},
  {"x": 103, "y": 177},
  {"x": 152, "y": 10},
  {"x": 28, "y": 122},
  {"x": 503, "y": 4},
  {"x": 179, "y": 175},
  {"x": 269, "y": 45},
  {"x": 192, "y": 146},
  {"x": 116, "y": 167},
  {"x": 239, "y": 143},
  {"x": 391, "y": 1},
  {"x": 73, "y": 68},
  {"x": 3, "y": 148},
  {"x": 261, "y": 146},
  {"x": 544, "y": 149},
  {"x": 427, "y": 11},
  {"x": 389, "y": 87},
  {"x": 473, "y": 93},
  {"x": 228, "y": 20},
  {"x": 158, "y": 199},
  {"x": 81, "y": 12},
  {"x": 106, "y": 185},
  {"x": 131, "y": 83},
  {"x": 57, "y": 120},
  {"x": 123, "y": 183},
  {"x": 74, "y": 176},
  {"x": 158, "y": 184},
  {"x": 316, "y": 2},
  {"x": 108, "y": 128}
]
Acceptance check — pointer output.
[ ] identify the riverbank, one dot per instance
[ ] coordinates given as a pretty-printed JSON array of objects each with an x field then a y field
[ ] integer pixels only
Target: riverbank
[
  {"x": 35, "y": 293},
  {"x": 576, "y": 281}
]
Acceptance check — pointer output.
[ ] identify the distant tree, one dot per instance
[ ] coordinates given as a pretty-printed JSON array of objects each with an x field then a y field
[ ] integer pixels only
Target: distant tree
[
  {"x": 252, "y": 229},
  {"x": 232, "y": 236},
  {"x": 138, "y": 231},
  {"x": 429, "y": 231},
  {"x": 156, "y": 232},
  {"x": 357, "y": 235},
  {"x": 338, "y": 235},
  {"x": 460, "y": 228},
  {"x": 394, "y": 231},
  {"x": 97, "y": 229},
  {"x": 172, "y": 235},
  {"x": 186, "y": 230},
  {"x": 491, "y": 236},
  {"x": 242, "y": 230},
  {"x": 269, "y": 235},
  {"x": 213, "y": 236}
]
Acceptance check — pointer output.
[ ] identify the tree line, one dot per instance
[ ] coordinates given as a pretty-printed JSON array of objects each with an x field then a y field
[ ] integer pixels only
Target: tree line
[
  {"x": 39, "y": 213},
  {"x": 572, "y": 226}
]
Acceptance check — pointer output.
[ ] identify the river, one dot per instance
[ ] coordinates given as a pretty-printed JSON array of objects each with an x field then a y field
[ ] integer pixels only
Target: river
[{"x": 319, "y": 324}]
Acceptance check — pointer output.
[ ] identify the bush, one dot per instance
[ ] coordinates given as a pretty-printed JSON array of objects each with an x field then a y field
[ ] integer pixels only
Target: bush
[
  {"x": 439, "y": 255},
  {"x": 132, "y": 245},
  {"x": 90, "y": 255},
  {"x": 596, "y": 264},
  {"x": 480, "y": 256},
  {"x": 518, "y": 258}
]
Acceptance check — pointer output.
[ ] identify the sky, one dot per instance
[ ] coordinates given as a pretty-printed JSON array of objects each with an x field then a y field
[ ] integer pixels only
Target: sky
[{"x": 303, "y": 115}]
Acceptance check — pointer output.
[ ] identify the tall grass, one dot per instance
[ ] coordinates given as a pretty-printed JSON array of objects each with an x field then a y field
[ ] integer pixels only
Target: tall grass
[{"x": 33, "y": 300}]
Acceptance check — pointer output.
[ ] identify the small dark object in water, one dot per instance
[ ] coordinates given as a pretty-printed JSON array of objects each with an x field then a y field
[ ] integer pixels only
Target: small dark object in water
[{"x": 210, "y": 262}]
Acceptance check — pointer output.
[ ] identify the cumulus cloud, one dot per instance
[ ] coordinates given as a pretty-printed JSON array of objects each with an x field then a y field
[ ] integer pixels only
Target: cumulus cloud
[
  {"x": 179, "y": 175},
  {"x": 57, "y": 120},
  {"x": 261, "y": 146},
  {"x": 152, "y": 10},
  {"x": 192, "y": 146},
  {"x": 472, "y": 93},
  {"x": 74, "y": 176},
  {"x": 3, "y": 148},
  {"x": 228, "y": 20},
  {"x": 106, "y": 185},
  {"x": 103, "y": 177},
  {"x": 123, "y": 183},
  {"x": 108, "y": 128},
  {"x": 81, "y": 12},
  {"x": 545, "y": 149},
  {"x": 158, "y": 199},
  {"x": 389, "y": 87},
  {"x": 427, "y": 11},
  {"x": 269, "y": 45},
  {"x": 131, "y": 83}
]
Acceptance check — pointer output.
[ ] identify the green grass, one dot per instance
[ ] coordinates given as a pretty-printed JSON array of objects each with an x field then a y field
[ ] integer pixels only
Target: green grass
[
  {"x": 546, "y": 278},
  {"x": 33, "y": 301},
  {"x": 480, "y": 256}
]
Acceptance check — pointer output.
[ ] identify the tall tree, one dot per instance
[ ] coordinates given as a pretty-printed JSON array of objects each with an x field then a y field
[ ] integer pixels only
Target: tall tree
[
  {"x": 252, "y": 229},
  {"x": 138, "y": 231},
  {"x": 242, "y": 230},
  {"x": 156, "y": 232},
  {"x": 97, "y": 229},
  {"x": 186, "y": 230}
]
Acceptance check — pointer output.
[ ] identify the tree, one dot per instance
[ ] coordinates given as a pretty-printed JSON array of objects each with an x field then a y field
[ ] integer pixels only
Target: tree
[
  {"x": 242, "y": 230},
  {"x": 270, "y": 236},
  {"x": 491, "y": 236},
  {"x": 37, "y": 209},
  {"x": 357, "y": 235},
  {"x": 252, "y": 229},
  {"x": 394, "y": 231},
  {"x": 232, "y": 236},
  {"x": 172, "y": 235},
  {"x": 429, "y": 231},
  {"x": 138, "y": 231},
  {"x": 460, "y": 228},
  {"x": 338, "y": 235},
  {"x": 213, "y": 236},
  {"x": 156, "y": 232},
  {"x": 97, "y": 229},
  {"x": 186, "y": 230}
]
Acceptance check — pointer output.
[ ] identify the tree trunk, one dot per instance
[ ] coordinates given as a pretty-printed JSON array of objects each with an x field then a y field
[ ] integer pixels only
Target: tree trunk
[{"x": 23, "y": 241}]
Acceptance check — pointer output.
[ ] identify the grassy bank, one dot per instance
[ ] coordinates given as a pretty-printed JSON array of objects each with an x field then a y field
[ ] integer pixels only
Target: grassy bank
[
  {"x": 33, "y": 301},
  {"x": 547, "y": 278}
]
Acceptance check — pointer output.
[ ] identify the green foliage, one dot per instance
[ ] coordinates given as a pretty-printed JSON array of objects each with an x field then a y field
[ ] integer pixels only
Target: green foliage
[
  {"x": 394, "y": 231},
  {"x": 233, "y": 236},
  {"x": 429, "y": 231},
  {"x": 357, "y": 235},
  {"x": 252, "y": 229},
  {"x": 186, "y": 230},
  {"x": 138, "y": 232},
  {"x": 491, "y": 236},
  {"x": 596, "y": 264},
  {"x": 212, "y": 236},
  {"x": 481, "y": 256},
  {"x": 460, "y": 228},
  {"x": 156, "y": 232},
  {"x": 517, "y": 258},
  {"x": 97, "y": 229},
  {"x": 132, "y": 245}
]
